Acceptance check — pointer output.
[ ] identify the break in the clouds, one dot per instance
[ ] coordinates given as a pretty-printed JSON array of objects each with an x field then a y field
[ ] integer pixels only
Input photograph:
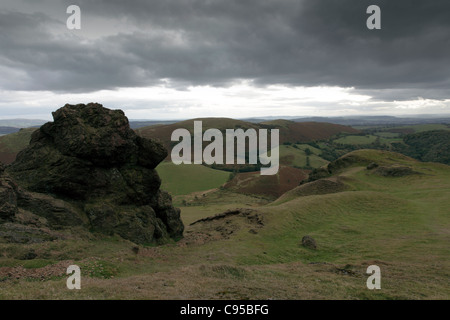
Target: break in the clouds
[{"x": 216, "y": 56}]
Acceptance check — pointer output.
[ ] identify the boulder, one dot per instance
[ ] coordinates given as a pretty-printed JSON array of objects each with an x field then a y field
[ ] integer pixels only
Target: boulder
[
  {"x": 88, "y": 167},
  {"x": 309, "y": 242}
]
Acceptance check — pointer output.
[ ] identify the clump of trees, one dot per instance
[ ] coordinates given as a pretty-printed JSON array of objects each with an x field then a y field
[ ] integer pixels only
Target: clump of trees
[{"x": 429, "y": 146}]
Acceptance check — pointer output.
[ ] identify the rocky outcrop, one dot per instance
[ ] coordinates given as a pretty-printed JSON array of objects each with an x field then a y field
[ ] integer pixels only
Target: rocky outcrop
[
  {"x": 8, "y": 197},
  {"x": 26, "y": 217},
  {"x": 96, "y": 172}
]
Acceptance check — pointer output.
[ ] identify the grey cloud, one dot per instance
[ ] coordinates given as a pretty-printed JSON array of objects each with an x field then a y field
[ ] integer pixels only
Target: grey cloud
[{"x": 196, "y": 42}]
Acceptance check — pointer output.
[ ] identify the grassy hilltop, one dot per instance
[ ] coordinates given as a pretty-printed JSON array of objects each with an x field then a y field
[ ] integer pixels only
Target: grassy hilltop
[{"x": 394, "y": 216}]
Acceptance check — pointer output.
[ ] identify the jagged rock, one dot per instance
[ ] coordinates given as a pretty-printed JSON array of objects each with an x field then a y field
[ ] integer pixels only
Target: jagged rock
[
  {"x": 23, "y": 215},
  {"x": 57, "y": 213},
  {"x": 89, "y": 168},
  {"x": 309, "y": 242},
  {"x": 8, "y": 205},
  {"x": 8, "y": 197}
]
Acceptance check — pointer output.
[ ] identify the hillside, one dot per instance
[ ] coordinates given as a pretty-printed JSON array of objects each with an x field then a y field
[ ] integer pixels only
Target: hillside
[
  {"x": 301, "y": 156},
  {"x": 290, "y": 132},
  {"x": 163, "y": 132},
  {"x": 252, "y": 183},
  {"x": 297, "y": 132},
  {"x": 397, "y": 222},
  {"x": 427, "y": 146},
  {"x": 12, "y": 143},
  {"x": 184, "y": 179},
  {"x": 7, "y": 130}
]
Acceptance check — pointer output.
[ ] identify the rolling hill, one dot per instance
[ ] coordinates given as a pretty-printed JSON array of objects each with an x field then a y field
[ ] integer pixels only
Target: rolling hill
[
  {"x": 290, "y": 132},
  {"x": 398, "y": 222}
]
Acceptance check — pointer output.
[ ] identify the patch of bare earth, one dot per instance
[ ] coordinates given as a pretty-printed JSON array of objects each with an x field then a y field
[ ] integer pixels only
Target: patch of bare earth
[
  {"x": 222, "y": 226},
  {"x": 54, "y": 270}
]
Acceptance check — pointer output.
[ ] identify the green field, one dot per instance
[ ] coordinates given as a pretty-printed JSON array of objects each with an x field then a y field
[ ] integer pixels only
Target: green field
[
  {"x": 388, "y": 135},
  {"x": 416, "y": 127},
  {"x": 367, "y": 139},
  {"x": 184, "y": 178},
  {"x": 294, "y": 155},
  {"x": 400, "y": 224},
  {"x": 424, "y": 127},
  {"x": 385, "y": 138}
]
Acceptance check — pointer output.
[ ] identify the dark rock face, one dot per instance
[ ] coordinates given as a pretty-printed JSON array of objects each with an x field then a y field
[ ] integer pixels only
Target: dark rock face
[
  {"x": 26, "y": 217},
  {"x": 8, "y": 198},
  {"x": 89, "y": 158}
]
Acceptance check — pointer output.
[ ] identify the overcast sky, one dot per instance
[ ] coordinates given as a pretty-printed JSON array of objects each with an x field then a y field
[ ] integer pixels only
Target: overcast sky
[{"x": 178, "y": 59}]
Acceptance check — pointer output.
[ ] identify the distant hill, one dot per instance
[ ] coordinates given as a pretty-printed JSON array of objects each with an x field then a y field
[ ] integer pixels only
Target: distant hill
[
  {"x": 369, "y": 120},
  {"x": 163, "y": 132},
  {"x": 135, "y": 124},
  {"x": 298, "y": 132},
  {"x": 290, "y": 132},
  {"x": 351, "y": 121},
  {"x": 21, "y": 123}
]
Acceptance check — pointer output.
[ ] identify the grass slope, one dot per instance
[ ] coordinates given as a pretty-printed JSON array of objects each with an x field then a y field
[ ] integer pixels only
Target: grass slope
[
  {"x": 295, "y": 156},
  {"x": 184, "y": 178},
  {"x": 11, "y": 144},
  {"x": 400, "y": 224}
]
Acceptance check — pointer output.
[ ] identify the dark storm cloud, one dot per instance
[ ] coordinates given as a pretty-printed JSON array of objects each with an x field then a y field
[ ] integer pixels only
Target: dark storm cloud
[
  {"x": 304, "y": 43},
  {"x": 43, "y": 61}
]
